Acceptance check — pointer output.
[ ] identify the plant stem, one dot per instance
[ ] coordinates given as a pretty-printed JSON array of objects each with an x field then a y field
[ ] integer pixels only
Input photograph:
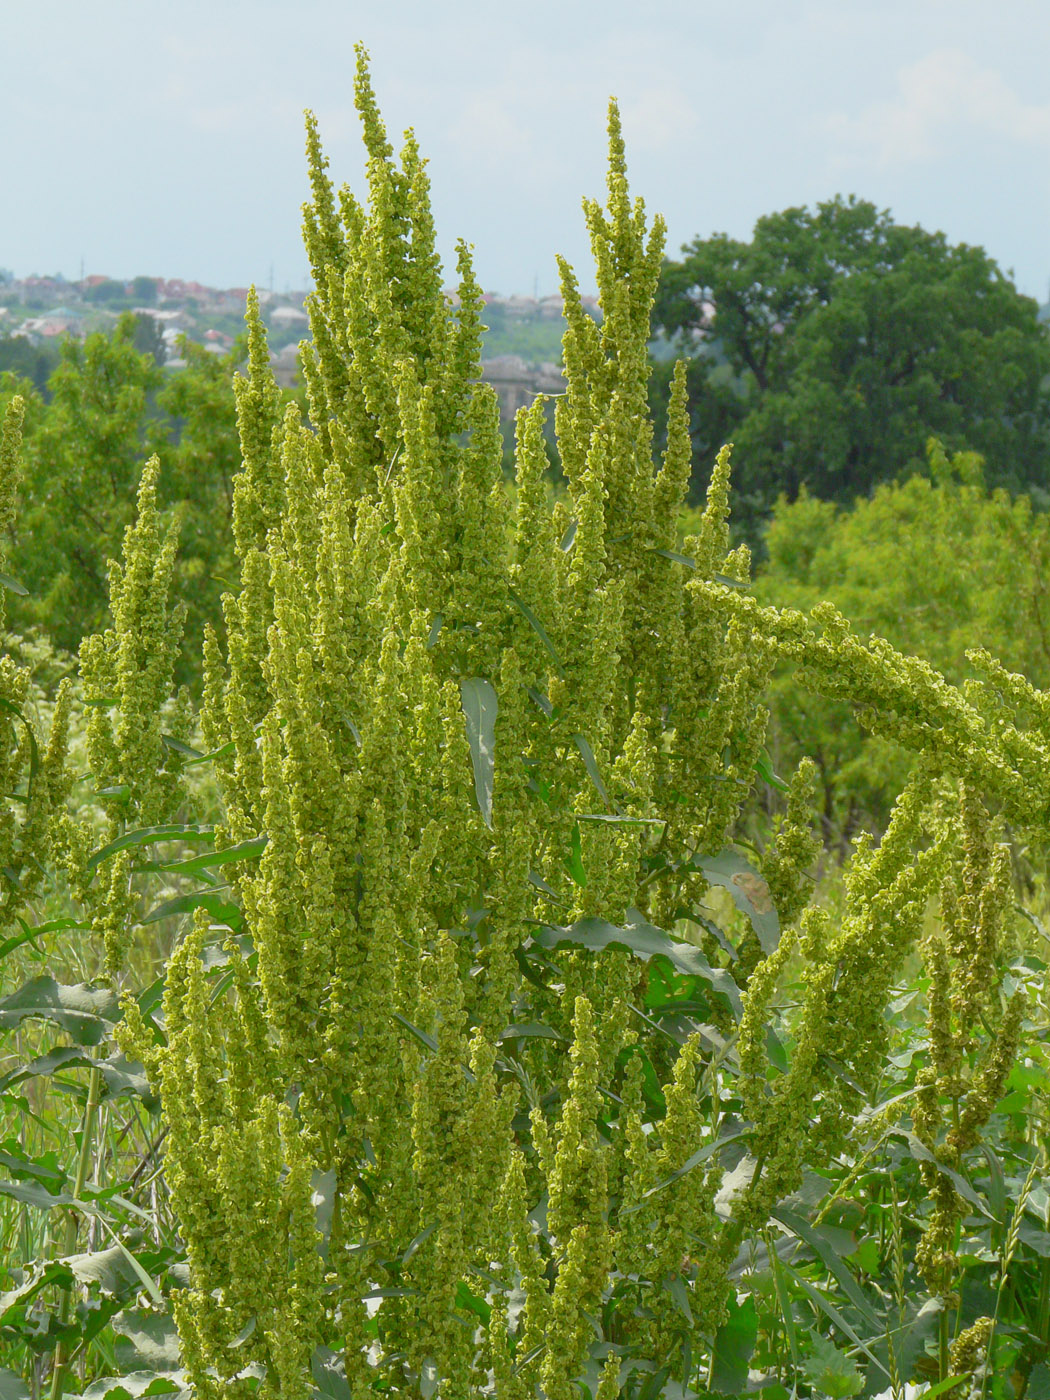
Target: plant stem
[{"x": 87, "y": 1132}]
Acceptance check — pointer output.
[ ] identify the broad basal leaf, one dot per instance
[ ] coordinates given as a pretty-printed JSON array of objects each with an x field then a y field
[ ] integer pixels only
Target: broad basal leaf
[
  {"x": 480, "y": 708},
  {"x": 749, "y": 891},
  {"x": 84, "y": 1012},
  {"x": 644, "y": 941}
]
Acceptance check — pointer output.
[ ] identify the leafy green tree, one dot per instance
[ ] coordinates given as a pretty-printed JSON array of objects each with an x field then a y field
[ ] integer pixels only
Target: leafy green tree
[
  {"x": 105, "y": 292},
  {"x": 831, "y": 345},
  {"x": 197, "y": 440},
  {"x": 34, "y": 363},
  {"x": 144, "y": 290},
  {"x": 111, "y": 407},
  {"x": 82, "y": 466},
  {"x": 940, "y": 566},
  {"x": 149, "y": 338}
]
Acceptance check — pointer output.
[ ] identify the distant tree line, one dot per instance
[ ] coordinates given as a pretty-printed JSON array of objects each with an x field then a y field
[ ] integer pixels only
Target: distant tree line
[{"x": 833, "y": 344}]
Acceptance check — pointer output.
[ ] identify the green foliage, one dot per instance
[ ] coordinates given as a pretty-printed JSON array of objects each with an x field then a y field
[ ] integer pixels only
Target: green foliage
[
  {"x": 836, "y": 341},
  {"x": 109, "y": 407},
  {"x": 509, "y": 1049},
  {"x": 938, "y": 565},
  {"x": 33, "y": 363}
]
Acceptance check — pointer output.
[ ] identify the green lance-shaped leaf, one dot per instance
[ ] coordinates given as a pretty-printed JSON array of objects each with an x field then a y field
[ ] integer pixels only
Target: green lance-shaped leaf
[
  {"x": 537, "y": 626},
  {"x": 220, "y": 909},
  {"x": 644, "y": 941},
  {"x": 27, "y": 933},
  {"x": 147, "y": 835},
  {"x": 80, "y": 1010},
  {"x": 749, "y": 891},
  {"x": 209, "y": 860},
  {"x": 828, "y": 1308},
  {"x": 328, "y": 1370},
  {"x": 591, "y": 764},
  {"x": 921, "y": 1153},
  {"x": 480, "y": 708},
  {"x": 822, "y": 1243},
  {"x": 702, "y": 1154}
]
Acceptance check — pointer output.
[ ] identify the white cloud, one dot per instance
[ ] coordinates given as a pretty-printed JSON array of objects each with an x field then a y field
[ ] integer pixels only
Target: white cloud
[{"x": 942, "y": 96}]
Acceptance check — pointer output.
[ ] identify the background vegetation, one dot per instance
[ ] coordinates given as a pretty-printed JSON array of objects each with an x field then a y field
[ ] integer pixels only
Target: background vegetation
[{"x": 716, "y": 1082}]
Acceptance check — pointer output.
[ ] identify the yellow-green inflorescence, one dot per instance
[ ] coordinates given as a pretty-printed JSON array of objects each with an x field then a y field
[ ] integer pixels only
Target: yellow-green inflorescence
[
  {"x": 33, "y": 766},
  {"x": 427, "y": 1134}
]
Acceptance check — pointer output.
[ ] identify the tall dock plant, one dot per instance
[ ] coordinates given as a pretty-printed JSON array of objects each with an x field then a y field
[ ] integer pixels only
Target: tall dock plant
[
  {"x": 423, "y": 1128},
  {"x": 455, "y": 1113}
]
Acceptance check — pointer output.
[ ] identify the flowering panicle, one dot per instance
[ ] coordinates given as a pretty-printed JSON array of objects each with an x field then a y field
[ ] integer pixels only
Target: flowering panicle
[
  {"x": 963, "y": 1078},
  {"x": 489, "y": 743},
  {"x": 33, "y": 768}
]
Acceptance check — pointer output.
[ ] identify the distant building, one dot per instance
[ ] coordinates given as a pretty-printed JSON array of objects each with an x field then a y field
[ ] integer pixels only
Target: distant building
[
  {"x": 285, "y": 366},
  {"x": 289, "y": 316},
  {"x": 518, "y": 383}
]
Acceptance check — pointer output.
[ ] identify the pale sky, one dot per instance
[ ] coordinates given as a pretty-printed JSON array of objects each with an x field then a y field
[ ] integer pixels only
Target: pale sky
[{"x": 166, "y": 138}]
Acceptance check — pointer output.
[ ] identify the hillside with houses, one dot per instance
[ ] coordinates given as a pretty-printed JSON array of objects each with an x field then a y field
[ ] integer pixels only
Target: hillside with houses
[{"x": 522, "y": 343}]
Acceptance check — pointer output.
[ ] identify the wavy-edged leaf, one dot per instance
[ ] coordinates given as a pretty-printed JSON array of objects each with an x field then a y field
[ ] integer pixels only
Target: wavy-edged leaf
[
  {"x": 147, "y": 835},
  {"x": 42, "y": 1275},
  {"x": 110, "y": 1268},
  {"x": 529, "y": 1030},
  {"x": 644, "y": 941},
  {"x": 139, "y": 1385},
  {"x": 12, "y": 1387},
  {"x": 211, "y": 860},
  {"x": 148, "y": 1339},
  {"x": 81, "y": 1010},
  {"x": 119, "y": 1075},
  {"x": 31, "y": 1193},
  {"x": 749, "y": 891},
  {"x": 733, "y": 1348},
  {"x": 220, "y": 909},
  {"x": 480, "y": 710}
]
